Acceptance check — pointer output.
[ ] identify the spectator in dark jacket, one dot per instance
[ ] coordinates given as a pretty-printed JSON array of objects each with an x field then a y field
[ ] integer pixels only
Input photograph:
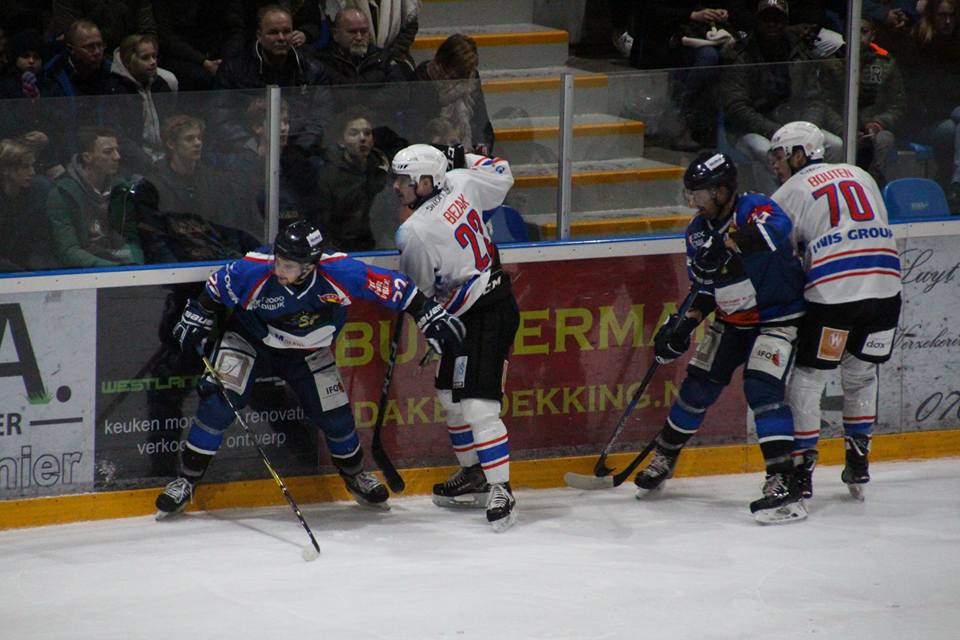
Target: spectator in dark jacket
[
  {"x": 354, "y": 175},
  {"x": 117, "y": 19},
  {"x": 26, "y": 242},
  {"x": 186, "y": 184},
  {"x": 931, "y": 65},
  {"x": 134, "y": 72},
  {"x": 882, "y": 103},
  {"x": 30, "y": 116},
  {"x": 759, "y": 93},
  {"x": 308, "y": 20},
  {"x": 82, "y": 70},
  {"x": 352, "y": 59},
  {"x": 197, "y": 37},
  {"x": 271, "y": 59}
]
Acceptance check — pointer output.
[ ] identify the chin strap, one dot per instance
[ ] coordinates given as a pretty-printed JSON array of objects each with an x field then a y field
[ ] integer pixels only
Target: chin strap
[{"x": 421, "y": 199}]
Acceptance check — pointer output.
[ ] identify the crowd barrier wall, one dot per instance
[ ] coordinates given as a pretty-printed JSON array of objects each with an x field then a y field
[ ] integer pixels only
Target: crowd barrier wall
[{"x": 94, "y": 395}]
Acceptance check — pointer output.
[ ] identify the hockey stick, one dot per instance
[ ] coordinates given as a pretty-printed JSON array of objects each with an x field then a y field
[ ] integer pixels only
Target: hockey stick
[
  {"x": 390, "y": 473},
  {"x": 601, "y": 472},
  {"x": 309, "y": 553}
]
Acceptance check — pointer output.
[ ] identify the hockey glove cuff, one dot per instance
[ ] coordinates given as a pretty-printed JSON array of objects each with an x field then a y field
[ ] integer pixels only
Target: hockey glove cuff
[
  {"x": 444, "y": 332},
  {"x": 194, "y": 326},
  {"x": 673, "y": 338},
  {"x": 708, "y": 261}
]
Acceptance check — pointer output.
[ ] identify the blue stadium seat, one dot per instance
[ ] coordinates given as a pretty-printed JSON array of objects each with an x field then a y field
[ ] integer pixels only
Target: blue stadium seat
[
  {"x": 914, "y": 198},
  {"x": 508, "y": 224}
]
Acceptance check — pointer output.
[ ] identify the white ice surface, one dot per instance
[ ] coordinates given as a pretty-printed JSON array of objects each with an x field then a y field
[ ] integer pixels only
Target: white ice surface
[{"x": 585, "y": 565}]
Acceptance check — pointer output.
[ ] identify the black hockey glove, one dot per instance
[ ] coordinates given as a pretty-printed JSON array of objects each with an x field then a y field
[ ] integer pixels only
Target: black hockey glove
[
  {"x": 195, "y": 324},
  {"x": 456, "y": 155},
  {"x": 444, "y": 332},
  {"x": 708, "y": 261},
  {"x": 673, "y": 338}
]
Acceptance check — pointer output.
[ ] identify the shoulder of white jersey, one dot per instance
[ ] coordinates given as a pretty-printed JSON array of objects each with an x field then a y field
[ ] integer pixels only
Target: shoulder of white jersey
[{"x": 327, "y": 258}]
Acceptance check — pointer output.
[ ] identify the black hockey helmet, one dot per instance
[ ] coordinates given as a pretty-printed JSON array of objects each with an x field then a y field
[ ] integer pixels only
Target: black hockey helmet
[
  {"x": 710, "y": 170},
  {"x": 300, "y": 241}
]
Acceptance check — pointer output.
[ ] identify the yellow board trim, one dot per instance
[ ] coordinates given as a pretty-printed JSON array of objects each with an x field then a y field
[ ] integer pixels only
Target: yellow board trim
[
  {"x": 552, "y": 36},
  {"x": 527, "y": 474},
  {"x": 579, "y": 130},
  {"x": 627, "y": 224},
  {"x": 543, "y": 84},
  {"x": 601, "y": 177}
]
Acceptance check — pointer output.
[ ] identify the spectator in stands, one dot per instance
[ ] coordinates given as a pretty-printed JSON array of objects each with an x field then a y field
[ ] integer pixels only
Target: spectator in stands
[
  {"x": 187, "y": 185},
  {"x": 356, "y": 172},
  {"x": 684, "y": 33},
  {"x": 759, "y": 97},
  {"x": 82, "y": 70},
  {"x": 272, "y": 59},
  {"x": 809, "y": 20},
  {"x": 352, "y": 58},
  {"x": 197, "y": 37},
  {"x": 882, "y": 103},
  {"x": 134, "y": 72},
  {"x": 29, "y": 117},
  {"x": 23, "y": 195},
  {"x": 393, "y": 24},
  {"x": 892, "y": 19},
  {"x": 298, "y": 198},
  {"x": 454, "y": 92},
  {"x": 931, "y": 66},
  {"x": 117, "y": 19},
  {"x": 308, "y": 20},
  {"x": 90, "y": 229}
]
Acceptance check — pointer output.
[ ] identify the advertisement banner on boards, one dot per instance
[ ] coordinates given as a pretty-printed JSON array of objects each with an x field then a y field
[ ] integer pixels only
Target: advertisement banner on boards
[
  {"x": 584, "y": 343},
  {"x": 47, "y": 360}
]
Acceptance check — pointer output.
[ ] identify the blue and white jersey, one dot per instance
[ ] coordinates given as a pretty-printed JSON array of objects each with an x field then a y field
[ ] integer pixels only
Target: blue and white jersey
[
  {"x": 764, "y": 283},
  {"x": 308, "y": 316},
  {"x": 840, "y": 220}
]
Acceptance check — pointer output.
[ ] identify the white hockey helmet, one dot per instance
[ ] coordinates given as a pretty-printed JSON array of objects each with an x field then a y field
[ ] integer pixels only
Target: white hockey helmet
[
  {"x": 420, "y": 160},
  {"x": 799, "y": 134}
]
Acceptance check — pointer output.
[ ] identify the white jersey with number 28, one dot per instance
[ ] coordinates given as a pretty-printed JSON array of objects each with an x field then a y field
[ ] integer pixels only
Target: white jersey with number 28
[
  {"x": 839, "y": 219},
  {"x": 445, "y": 245}
]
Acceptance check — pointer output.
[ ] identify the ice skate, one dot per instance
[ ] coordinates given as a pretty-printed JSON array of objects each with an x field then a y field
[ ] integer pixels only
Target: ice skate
[
  {"x": 501, "y": 507},
  {"x": 366, "y": 489},
  {"x": 856, "y": 471},
  {"x": 656, "y": 473},
  {"x": 781, "y": 501},
  {"x": 804, "y": 473},
  {"x": 467, "y": 487},
  {"x": 175, "y": 498}
]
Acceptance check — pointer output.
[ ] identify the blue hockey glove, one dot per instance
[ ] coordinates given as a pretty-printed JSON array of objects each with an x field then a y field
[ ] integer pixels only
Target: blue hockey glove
[
  {"x": 194, "y": 326},
  {"x": 673, "y": 338},
  {"x": 708, "y": 261},
  {"x": 444, "y": 332}
]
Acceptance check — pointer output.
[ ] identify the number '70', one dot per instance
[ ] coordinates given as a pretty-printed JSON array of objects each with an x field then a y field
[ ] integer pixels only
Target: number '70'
[{"x": 853, "y": 194}]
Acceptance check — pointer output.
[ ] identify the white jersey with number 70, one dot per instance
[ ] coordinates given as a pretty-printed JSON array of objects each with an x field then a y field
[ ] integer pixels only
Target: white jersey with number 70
[{"x": 840, "y": 223}]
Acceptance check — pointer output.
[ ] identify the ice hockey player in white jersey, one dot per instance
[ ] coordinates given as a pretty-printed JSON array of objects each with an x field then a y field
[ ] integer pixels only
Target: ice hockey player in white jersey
[
  {"x": 446, "y": 249},
  {"x": 852, "y": 291}
]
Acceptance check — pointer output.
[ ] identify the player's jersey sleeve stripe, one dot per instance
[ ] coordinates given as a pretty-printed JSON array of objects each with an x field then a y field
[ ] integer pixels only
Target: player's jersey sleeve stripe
[
  {"x": 454, "y": 305},
  {"x": 255, "y": 290},
  {"x": 256, "y": 256}
]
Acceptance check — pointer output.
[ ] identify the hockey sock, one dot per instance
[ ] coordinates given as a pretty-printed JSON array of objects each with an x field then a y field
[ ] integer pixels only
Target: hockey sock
[
  {"x": 194, "y": 463},
  {"x": 492, "y": 444},
  {"x": 459, "y": 430}
]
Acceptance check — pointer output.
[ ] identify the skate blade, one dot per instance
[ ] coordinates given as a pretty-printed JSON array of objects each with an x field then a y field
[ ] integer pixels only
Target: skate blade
[
  {"x": 373, "y": 506},
  {"x": 645, "y": 493},
  {"x": 589, "y": 483},
  {"x": 166, "y": 515},
  {"x": 501, "y": 525},
  {"x": 466, "y": 501},
  {"x": 785, "y": 514},
  {"x": 856, "y": 492}
]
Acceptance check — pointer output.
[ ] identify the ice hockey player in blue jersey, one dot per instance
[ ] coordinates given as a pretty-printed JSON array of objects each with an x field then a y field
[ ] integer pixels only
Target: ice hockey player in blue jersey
[
  {"x": 741, "y": 264},
  {"x": 286, "y": 308}
]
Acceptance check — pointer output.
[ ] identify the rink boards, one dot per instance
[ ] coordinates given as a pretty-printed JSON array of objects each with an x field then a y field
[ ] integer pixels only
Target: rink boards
[{"x": 92, "y": 402}]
